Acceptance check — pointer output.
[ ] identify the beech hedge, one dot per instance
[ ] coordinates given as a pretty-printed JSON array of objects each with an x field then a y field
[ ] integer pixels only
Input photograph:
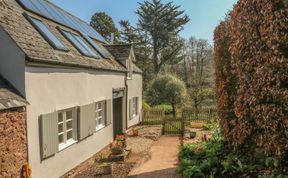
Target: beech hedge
[{"x": 251, "y": 61}]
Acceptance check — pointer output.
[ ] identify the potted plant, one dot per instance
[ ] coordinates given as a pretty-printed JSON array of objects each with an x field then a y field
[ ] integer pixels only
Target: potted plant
[
  {"x": 116, "y": 148},
  {"x": 121, "y": 140},
  {"x": 193, "y": 134}
]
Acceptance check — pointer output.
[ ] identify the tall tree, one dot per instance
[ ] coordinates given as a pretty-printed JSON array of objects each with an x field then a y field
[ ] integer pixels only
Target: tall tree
[
  {"x": 162, "y": 24},
  {"x": 105, "y": 25},
  {"x": 196, "y": 69},
  {"x": 135, "y": 36}
]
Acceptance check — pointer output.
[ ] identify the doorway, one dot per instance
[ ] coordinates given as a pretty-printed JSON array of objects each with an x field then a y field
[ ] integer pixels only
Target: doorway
[{"x": 117, "y": 116}]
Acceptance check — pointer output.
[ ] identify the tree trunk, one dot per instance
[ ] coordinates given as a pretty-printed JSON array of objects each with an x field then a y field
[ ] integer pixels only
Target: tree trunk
[{"x": 174, "y": 110}]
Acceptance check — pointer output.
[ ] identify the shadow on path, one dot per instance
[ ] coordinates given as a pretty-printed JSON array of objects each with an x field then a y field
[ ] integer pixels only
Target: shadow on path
[
  {"x": 165, "y": 173},
  {"x": 163, "y": 162}
]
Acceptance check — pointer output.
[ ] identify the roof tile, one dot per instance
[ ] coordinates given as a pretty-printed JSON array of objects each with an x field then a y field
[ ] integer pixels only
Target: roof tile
[{"x": 9, "y": 97}]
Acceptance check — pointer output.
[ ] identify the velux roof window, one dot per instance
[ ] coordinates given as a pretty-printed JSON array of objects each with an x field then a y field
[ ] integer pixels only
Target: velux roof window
[
  {"x": 79, "y": 43},
  {"x": 44, "y": 30},
  {"x": 104, "y": 52}
]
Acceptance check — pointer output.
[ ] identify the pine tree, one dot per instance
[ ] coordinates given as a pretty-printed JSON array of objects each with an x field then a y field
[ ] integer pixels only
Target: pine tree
[{"x": 162, "y": 24}]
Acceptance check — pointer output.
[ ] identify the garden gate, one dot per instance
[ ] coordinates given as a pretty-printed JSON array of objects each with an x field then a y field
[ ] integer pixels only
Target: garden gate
[
  {"x": 155, "y": 116},
  {"x": 171, "y": 126}
]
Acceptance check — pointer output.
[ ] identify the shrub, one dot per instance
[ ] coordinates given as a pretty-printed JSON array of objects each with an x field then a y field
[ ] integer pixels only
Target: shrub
[
  {"x": 145, "y": 105},
  {"x": 216, "y": 159},
  {"x": 251, "y": 54},
  {"x": 166, "y": 107},
  {"x": 211, "y": 125},
  {"x": 167, "y": 89}
]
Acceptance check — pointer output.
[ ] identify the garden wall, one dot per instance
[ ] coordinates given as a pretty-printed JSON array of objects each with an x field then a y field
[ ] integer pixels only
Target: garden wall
[
  {"x": 13, "y": 142},
  {"x": 251, "y": 60}
]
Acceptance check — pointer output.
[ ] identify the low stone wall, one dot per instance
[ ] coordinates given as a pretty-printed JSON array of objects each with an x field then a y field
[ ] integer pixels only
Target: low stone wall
[{"x": 13, "y": 142}]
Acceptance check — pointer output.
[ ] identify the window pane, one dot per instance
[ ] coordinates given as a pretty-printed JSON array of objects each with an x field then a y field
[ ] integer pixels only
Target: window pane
[
  {"x": 68, "y": 115},
  {"x": 81, "y": 41},
  {"x": 100, "y": 121},
  {"x": 60, "y": 128},
  {"x": 103, "y": 51},
  {"x": 69, "y": 135},
  {"x": 99, "y": 106},
  {"x": 60, "y": 117},
  {"x": 78, "y": 42},
  {"x": 60, "y": 139},
  {"x": 44, "y": 30},
  {"x": 69, "y": 125}
]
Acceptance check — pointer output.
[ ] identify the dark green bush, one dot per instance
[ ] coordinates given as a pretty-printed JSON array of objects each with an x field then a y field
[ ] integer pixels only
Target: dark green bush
[{"x": 216, "y": 159}]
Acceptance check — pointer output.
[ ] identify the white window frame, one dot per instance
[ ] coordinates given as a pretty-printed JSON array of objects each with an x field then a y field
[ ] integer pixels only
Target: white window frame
[
  {"x": 101, "y": 116},
  {"x": 135, "y": 106},
  {"x": 67, "y": 142}
]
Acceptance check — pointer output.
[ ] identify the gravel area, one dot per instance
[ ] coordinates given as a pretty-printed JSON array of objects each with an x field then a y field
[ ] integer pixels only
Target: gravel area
[
  {"x": 140, "y": 152},
  {"x": 139, "y": 144}
]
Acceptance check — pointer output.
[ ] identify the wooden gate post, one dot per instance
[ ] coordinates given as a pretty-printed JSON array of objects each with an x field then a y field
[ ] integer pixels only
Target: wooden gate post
[
  {"x": 163, "y": 121},
  {"x": 182, "y": 125}
]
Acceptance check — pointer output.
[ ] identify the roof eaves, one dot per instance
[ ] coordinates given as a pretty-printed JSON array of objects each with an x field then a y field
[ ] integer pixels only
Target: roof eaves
[{"x": 60, "y": 63}]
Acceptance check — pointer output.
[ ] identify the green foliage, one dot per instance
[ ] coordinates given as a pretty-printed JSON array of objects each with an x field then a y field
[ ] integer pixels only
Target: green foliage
[
  {"x": 211, "y": 125},
  {"x": 162, "y": 23},
  {"x": 167, "y": 89},
  {"x": 166, "y": 107},
  {"x": 274, "y": 175},
  {"x": 133, "y": 35},
  {"x": 215, "y": 159},
  {"x": 196, "y": 70},
  {"x": 104, "y": 25},
  {"x": 145, "y": 105}
]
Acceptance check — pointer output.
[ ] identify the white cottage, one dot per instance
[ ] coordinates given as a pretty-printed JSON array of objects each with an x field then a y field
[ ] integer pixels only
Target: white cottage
[{"x": 81, "y": 90}]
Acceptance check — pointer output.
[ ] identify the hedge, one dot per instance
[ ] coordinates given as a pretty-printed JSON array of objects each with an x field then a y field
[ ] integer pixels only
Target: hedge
[{"x": 251, "y": 61}]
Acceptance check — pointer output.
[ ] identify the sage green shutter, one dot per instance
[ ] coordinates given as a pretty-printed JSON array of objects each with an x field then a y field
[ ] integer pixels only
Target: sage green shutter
[
  {"x": 49, "y": 134},
  {"x": 86, "y": 122},
  {"x": 108, "y": 112},
  {"x": 75, "y": 116},
  {"x": 130, "y": 110}
]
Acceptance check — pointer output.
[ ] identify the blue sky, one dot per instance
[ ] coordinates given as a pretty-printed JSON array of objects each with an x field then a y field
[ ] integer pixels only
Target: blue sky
[{"x": 204, "y": 14}]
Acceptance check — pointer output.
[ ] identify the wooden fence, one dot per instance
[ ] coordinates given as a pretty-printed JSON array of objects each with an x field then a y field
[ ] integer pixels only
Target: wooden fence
[
  {"x": 156, "y": 116},
  {"x": 153, "y": 116},
  {"x": 203, "y": 115}
]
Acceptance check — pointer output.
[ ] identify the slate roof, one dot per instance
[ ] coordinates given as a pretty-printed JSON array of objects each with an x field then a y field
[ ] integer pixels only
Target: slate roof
[
  {"x": 9, "y": 97},
  {"x": 122, "y": 52},
  {"x": 38, "y": 50}
]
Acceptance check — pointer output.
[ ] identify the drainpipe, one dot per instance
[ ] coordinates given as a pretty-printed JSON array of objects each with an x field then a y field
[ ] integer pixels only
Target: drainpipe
[{"x": 127, "y": 100}]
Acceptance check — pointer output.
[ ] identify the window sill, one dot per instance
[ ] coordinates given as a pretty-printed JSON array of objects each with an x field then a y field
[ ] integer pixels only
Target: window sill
[
  {"x": 68, "y": 144},
  {"x": 100, "y": 127},
  {"x": 133, "y": 117}
]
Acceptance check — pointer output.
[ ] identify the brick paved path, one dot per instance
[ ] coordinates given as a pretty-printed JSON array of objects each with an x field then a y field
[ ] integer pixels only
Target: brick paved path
[{"x": 163, "y": 163}]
